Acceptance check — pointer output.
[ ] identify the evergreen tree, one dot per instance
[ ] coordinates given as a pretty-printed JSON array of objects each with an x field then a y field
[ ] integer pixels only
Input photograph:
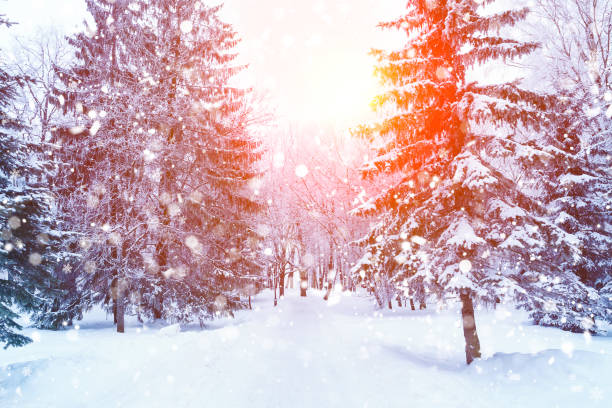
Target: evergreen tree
[
  {"x": 208, "y": 155},
  {"x": 455, "y": 222},
  {"x": 161, "y": 160},
  {"x": 572, "y": 166},
  {"x": 27, "y": 240}
]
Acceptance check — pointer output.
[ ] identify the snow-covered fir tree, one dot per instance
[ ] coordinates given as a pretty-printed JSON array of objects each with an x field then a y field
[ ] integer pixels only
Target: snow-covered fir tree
[
  {"x": 573, "y": 165},
  {"x": 208, "y": 157},
  {"x": 161, "y": 158},
  {"x": 27, "y": 237},
  {"x": 574, "y": 183},
  {"x": 454, "y": 221}
]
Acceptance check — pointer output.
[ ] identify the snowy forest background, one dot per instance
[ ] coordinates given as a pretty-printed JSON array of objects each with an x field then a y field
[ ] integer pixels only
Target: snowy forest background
[{"x": 137, "y": 175}]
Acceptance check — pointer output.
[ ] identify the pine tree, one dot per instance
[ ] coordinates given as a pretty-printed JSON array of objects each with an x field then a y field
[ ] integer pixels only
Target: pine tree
[
  {"x": 208, "y": 156},
  {"x": 455, "y": 221},
  {"x": 161, "y": 161},
  {"x": 27, "y": 240},
  {"x": 572, "y": 167}
]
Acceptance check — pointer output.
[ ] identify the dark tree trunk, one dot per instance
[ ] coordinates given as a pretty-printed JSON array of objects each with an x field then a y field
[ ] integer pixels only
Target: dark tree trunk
[
  {"x": 281, "y": 285},
  {"x": 322, "y": 274},
  {"x": 340, "y": 272},
  {"x": 120, "y": 302},
  {"x": 412, "y": 304},
  {"x": 330, "y": 267},
  {"x": 422, "y": 305},
  {"x": 472, "y": 344},
  {"x": 399, "y": 301},
  {"x": 275, "y": 298},
  {"x": 115, "y": 311},
  {"x": 250, "y": 307},
  {"x": 158, "y": 306},
  {"x": 389, "y": 304}
]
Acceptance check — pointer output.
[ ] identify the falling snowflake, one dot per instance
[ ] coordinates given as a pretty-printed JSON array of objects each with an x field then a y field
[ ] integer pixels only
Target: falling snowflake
[
  {"x": 192, "y": 242},
  {"x": 90, "y": 267},
  {"x": 465, "y": 266},
  {"x": 35, "y": 258},
  {"x": 301, "y": 171},
  {"x": 14, "y": 222},
  {"x": 186, "y": 26}
]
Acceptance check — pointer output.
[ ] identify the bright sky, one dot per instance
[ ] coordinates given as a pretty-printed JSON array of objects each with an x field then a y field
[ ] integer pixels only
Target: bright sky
[
  {"x": 308, "y": 56},
  {"x": 311, "y": 56}
]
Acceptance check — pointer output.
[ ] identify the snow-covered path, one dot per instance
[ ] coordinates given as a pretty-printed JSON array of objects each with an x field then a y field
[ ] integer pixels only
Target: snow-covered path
[{"x": 308, "y": 353}]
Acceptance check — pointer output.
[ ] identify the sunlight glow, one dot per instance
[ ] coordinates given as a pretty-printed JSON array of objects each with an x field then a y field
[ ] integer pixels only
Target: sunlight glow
[
  {"x": 311, "y": 59},
  {"x": 340, "y": 89}
]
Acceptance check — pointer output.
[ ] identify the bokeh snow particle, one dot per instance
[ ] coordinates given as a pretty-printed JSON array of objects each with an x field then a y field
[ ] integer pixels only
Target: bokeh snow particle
[
  {"x": 14, "y": 222},
  {"x": 186, "y": 26},
  {"x": 301, "y": 171},
  {"x": 465, "y": 266},
  {"x": 35, "y": 258}
]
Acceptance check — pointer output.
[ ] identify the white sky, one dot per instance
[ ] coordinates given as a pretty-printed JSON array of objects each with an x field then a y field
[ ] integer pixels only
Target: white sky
[
  {"x": 308, "y": 56},
  {"x": 65, "y": 15}
]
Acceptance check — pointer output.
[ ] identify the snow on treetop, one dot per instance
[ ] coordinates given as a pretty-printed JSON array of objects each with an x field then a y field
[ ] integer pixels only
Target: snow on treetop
[
  {"x": 461, "y": 234},
  {"x": 457, "y": 279},
  {"x": 511, "y": 242},
  {"x": 576, "y": 179},
  {"x": 471, "y": 173},
  {"x": 506, "y": 211},
  {"x": 564, "y": 217}
]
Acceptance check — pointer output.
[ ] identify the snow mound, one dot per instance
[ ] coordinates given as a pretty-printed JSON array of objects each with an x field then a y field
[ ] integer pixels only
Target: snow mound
[{"x": 170, "y": 330}]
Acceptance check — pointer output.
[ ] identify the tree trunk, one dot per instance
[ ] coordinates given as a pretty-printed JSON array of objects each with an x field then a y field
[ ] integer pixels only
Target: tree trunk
[
  {"x": 290, "y": 280},
  {"x": 303, "y": 283},
  {"x": 158, "y": 306},
  {"x": 472, "y": 344},
  {"x": 275, "y": 299},
  {"x": 340, "y": 272},
  {"x": 115, "y": 311},
  {"x": 389, "y": 304},
  {"x": 412, "y": 304},
  {"x": 281, "y": 285},
  {"x": 322, "y": 274},
  {"x": 422, "y": 305},
  {"x": 330, "y": 267},
  {"x": 399, "y": 301},
  {"x": 120, "y": 302}
]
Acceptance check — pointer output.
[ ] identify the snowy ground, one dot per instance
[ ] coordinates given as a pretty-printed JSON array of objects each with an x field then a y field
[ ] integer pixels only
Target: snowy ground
[{"x": 306, "y": 353}]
